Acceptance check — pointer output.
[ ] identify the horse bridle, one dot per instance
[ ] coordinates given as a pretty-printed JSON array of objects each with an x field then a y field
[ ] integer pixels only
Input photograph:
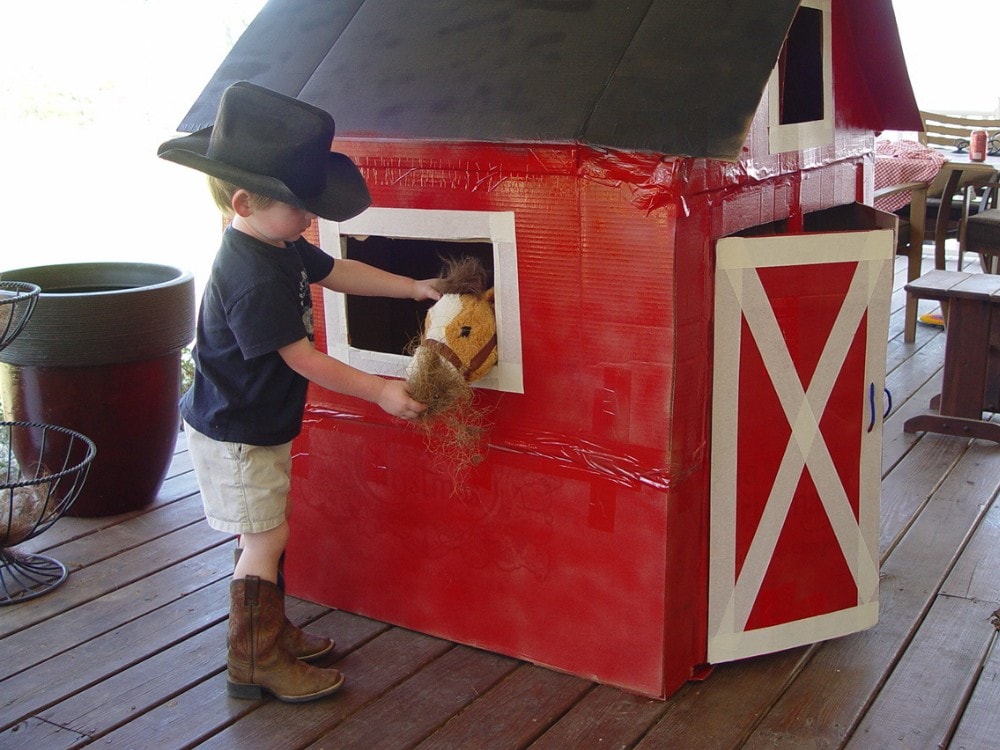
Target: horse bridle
[{"x": 448, "y": 353}]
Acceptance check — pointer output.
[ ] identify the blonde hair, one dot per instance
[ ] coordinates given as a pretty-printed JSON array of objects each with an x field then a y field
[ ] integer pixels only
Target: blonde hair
[{"x": 223, "y": 192}]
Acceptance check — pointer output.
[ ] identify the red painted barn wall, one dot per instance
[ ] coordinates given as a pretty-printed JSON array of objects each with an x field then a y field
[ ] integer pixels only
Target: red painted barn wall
[{"x": 554, "y": 549}]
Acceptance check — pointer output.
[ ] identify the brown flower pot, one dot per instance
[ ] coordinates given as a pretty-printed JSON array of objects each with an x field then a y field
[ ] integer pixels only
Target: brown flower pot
[{"x": 101, "y": 355}]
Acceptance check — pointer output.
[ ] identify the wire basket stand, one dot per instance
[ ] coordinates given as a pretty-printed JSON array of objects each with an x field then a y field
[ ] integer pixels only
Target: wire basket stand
[
  {"x": 17, "y": 302},
  {"x": 42, "y": 470}
]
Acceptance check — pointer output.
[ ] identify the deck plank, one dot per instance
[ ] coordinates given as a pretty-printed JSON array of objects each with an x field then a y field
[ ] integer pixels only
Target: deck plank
[
  {"x": 103, "y": 707},
  {"x": 46, "y": 684},
  {"x": 976, "y": 576},
  {"x": 104, "y": 613},
  {"x": 947, "y": 653},
  {"x": 205, "y": 710},
  {"x": 113, "y": 702},
  {"x": 722, "y": 711},
  {"x": 909, "y": 487},
  {"x": 137, "y": 553},
  {"x": 980, "y": 722},
  {"x": 371, "y": 670},
  {"x": 897, "y": 443},
  {"x": 33, "y": 734},
  {"x": 831, "y": 694},
  {"x": 604, "y": 719},
  {"x": 416, "y": 707},
  {"x": 515, "y": 712}
]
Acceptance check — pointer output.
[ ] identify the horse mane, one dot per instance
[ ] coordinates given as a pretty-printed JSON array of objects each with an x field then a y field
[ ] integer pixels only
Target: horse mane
[{"x": 464, "y": 275}]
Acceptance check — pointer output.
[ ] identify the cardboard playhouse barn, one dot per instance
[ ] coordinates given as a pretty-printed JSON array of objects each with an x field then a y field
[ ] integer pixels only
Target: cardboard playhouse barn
[{"x": 682, "y": 461}]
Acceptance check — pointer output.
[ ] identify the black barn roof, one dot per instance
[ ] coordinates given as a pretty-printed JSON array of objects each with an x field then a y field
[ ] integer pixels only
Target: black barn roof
[{"x": 679, "y": 77}]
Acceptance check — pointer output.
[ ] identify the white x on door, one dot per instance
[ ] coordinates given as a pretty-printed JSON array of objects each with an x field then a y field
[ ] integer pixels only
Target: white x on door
[{"x": 800, "y": 342}]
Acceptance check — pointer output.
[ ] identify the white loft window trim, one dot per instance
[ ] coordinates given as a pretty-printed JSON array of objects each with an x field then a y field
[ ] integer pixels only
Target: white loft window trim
[
  {"x": 493, "y": 227},
  {"x": 812, "y": 133}
]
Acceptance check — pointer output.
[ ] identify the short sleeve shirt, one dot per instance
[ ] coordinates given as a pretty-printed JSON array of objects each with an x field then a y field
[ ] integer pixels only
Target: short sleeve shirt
[{"x": 256, "y": 301}]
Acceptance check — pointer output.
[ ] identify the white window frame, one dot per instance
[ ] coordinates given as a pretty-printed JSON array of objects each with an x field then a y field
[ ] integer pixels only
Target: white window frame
[
  {"x": 493, "y": 227},
  {"x": 802, "y": 135}
]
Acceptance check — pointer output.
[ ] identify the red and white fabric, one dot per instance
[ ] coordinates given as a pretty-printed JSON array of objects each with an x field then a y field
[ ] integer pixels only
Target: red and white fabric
[{"x": 897, "y": 162}]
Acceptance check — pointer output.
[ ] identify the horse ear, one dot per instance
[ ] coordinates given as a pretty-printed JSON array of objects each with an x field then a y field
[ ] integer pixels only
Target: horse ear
[{"x": 490, "y": 296}]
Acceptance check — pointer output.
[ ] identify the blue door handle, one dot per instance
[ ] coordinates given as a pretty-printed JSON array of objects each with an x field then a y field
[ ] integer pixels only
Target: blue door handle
[{"x": 871, "y": 405}]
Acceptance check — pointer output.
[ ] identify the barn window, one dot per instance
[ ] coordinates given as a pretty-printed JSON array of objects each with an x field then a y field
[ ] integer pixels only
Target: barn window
[
  {"x": 389, "y": 325},
  {"x": 373, "y": 333},
  {"x": 800, "y": 69},
  {"x": 800, "y": 92}
]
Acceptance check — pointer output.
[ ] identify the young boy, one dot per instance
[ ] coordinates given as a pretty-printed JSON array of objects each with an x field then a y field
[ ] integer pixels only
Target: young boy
[{"x": 271, "y": 171}]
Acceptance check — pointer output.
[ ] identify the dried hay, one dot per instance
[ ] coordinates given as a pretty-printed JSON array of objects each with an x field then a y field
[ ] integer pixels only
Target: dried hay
[
  {"x": 25, "y": 504},
  {"x": 22, "y": 510},
  {"x": 453, "y": 424},
  {"x": 7, "y": 303}
]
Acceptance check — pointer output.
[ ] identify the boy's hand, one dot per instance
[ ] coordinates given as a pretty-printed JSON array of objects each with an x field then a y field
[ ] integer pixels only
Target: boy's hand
[
  {"x": 426, "y": 289},
  {"x": 394, "y": 399}
]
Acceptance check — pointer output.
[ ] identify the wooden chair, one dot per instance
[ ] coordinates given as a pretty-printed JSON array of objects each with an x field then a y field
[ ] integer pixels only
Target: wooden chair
[
  {"x": 955, "y": 186},
  {"x": 952, "y": 131},
  {"x": 910, "y": 242},
  {"x": 981, "y": 233}
]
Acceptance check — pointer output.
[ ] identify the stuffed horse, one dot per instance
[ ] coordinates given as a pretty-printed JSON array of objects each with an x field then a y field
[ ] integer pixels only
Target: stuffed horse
[
  {"x": 459, "y": 340},
  {"x": 458, "y": 345}
]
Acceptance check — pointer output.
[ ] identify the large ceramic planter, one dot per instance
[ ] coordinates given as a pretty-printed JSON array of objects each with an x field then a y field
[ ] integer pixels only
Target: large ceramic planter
[{"x": 101, "y": 355}]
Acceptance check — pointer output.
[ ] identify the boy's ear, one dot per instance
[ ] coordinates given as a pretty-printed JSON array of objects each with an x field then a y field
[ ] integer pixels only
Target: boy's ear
[{"x": 241, "y": 203}]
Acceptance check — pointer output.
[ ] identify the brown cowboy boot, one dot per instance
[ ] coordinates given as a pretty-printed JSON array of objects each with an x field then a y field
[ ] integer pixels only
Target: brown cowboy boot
[
  {"x": 302, "y": 645},
  {"x": 258, "y": 660}
]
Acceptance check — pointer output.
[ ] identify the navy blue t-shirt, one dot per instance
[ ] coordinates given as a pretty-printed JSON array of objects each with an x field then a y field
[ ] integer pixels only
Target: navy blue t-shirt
[{"x": 257, "y": 300}]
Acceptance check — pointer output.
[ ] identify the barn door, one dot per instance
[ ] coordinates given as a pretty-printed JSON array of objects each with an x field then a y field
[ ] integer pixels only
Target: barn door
[{"x": 800, "y": 344}]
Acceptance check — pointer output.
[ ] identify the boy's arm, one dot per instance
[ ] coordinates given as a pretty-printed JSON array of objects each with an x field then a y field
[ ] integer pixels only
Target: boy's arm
[
  {"x": 332, "y": 374},
  {"x": 354, "y": 277}
]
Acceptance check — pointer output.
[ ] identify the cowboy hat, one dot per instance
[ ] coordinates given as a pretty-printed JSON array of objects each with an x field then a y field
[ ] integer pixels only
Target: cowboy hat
[{"x": 278, "y": 147}]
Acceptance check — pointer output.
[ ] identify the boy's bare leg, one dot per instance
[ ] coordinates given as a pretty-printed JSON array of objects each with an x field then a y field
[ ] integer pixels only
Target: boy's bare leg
[{"x": 261, "y": 554}]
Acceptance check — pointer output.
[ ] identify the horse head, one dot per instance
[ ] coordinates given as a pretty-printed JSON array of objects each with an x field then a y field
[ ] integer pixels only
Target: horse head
[{"x": 461, "y": 326}]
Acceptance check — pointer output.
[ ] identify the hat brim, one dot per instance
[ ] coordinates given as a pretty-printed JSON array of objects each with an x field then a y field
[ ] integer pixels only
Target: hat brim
[{"x": 345, "y": 196}]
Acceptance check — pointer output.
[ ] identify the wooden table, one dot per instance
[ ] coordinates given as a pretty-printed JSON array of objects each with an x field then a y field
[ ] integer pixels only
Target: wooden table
[{"x": 971, "y": 379}]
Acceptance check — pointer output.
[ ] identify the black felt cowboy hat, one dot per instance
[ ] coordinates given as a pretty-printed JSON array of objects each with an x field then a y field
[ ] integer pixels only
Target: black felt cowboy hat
[{"x": 275, "y": 146}]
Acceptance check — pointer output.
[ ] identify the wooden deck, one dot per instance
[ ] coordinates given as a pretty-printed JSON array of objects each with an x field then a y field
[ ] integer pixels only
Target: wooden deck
[{"x": 130, "y": 651}]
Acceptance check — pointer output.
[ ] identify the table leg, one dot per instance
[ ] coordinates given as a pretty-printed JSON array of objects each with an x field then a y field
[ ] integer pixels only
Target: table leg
[
  {"x": 991, "y": 394},
  {"x": 965, "y": 359},
  {"x": 957, "y": 426},
  {"x": 971, "y": 374},
  {"x": 944, "y": 215}
]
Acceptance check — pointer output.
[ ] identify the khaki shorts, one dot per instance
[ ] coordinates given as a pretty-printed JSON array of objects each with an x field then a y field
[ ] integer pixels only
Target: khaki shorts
[{"x": 244, "y": 488}]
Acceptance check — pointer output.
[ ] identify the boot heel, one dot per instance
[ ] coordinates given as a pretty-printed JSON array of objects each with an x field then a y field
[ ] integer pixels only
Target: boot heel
[{"x": 246, "y": 692}]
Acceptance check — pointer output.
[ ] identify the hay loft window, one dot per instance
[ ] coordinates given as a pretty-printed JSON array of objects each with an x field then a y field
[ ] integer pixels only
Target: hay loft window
[
  {"x": 800, "y": 92},
  {"x": 800, "y": 70},
  {"x": 373, "y": 333}
]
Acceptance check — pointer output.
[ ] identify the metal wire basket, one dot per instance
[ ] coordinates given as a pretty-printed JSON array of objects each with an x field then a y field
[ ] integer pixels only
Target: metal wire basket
[
  {"x": 43, "y": 469},
  {"x": 17, "y": 302}
]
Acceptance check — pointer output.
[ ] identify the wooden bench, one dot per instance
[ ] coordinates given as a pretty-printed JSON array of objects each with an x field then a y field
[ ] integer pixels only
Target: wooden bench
[{"x": 971, "y": 303}]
